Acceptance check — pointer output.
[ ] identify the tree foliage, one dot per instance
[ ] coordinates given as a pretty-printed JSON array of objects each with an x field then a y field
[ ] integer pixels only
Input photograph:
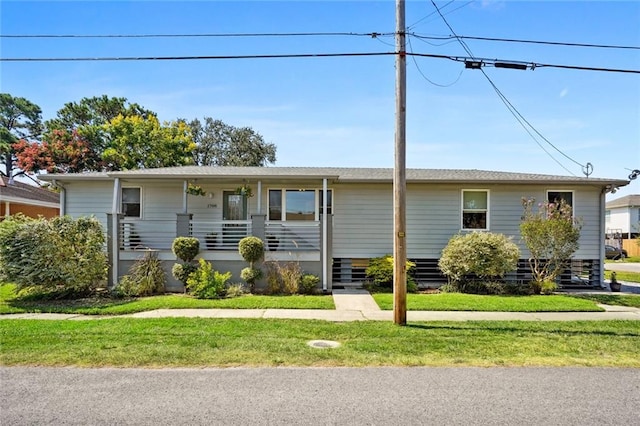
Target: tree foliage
[
  {"x": 551, "y": 234},
  {"x": 220, "y": 144},
  {"x": 60, "y": 152},
  {"x": 49, "y": 255},
  {"x": 19, "y": 119},
  {"x": 136, "y": 142}
]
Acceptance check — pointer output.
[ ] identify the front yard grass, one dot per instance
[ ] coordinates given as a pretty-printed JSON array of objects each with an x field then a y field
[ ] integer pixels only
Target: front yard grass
[
  {"x": 474, "y": 302},
  {"x": 107, "y": 306},
  {"x": 633, "y": 277},
  {"x": 198, "y": 342}
]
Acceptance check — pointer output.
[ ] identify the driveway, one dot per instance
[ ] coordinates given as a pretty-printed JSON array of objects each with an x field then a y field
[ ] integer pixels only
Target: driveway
[{"x": 622, "y": 267}]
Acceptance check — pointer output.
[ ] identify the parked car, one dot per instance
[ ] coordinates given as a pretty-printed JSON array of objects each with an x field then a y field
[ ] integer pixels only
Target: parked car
[{"x": 614, "y": 253}]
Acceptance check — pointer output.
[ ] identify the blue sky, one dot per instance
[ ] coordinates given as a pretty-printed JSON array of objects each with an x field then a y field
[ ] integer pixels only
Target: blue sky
[{"x": 341, "y": 111}]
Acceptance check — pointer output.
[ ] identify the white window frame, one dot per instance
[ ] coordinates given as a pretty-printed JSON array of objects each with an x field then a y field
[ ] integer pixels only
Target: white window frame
[
  {"x": 122, "y": 201},
  {"x": 487, "y": 211},
  {"x": 573, "y": 198},
  {"x": 283, "y": 212}
]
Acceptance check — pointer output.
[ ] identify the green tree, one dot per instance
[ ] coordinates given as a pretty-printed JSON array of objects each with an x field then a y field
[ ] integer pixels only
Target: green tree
[
  {"x": 551, "y": 234},
  {"x": 60, "y": 152},
  {"x": 136, "y": 142},
  {"x": 89, "y": 115},
  {"x": 220, "y": 144},
  {"x": 19, "y": 119}
]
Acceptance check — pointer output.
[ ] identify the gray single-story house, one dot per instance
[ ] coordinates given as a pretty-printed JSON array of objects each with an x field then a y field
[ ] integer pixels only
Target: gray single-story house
[{"x": 331, "y": 220}]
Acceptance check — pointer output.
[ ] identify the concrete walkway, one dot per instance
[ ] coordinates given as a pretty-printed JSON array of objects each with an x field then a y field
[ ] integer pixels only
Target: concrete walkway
[{"x": 358, "y": 305}]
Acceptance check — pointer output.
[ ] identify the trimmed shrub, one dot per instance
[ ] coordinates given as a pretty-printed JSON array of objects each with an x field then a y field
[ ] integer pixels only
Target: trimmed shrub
[
  {"x": 251, "y": 275},
  {"x": 185, "y": 248},
  {"x": 251, "y": 249},
  {"x": 206, "y": 283},
  {"x": 309, "y": 284},
  {"x": 61, "y": 255},
  {"x": 478, "y": 256},
  {"x": 181, "y": 271},
  {"x": 235, "y": 290},
  {"x": 380, "y": 273}
]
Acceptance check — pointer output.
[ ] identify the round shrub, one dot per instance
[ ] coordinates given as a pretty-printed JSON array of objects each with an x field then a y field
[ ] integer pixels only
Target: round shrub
[
  {"x": 482, "y": 255},
  {"x": 186, "y": 248},
  {"x": 181, "y": 271},
  {"x": 251, "y": 249},
  {"x": 251, "y": 275}
]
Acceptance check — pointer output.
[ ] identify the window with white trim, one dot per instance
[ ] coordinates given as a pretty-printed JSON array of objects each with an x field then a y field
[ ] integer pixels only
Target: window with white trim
[
  {"x": 475, "y": 209},
  {"x": 556, "y": 196},
  {"x": 131, "y": 202},
  {"x": 297, "y": 204}
]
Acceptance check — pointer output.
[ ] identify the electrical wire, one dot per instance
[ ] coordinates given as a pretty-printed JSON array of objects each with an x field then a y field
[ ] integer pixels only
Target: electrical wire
[
  {"x": 312, "y": 34},
  {"x": 447, "y": 13},
  {"x": 413, "y": 57},
  {"x": 514, "y": 111}
]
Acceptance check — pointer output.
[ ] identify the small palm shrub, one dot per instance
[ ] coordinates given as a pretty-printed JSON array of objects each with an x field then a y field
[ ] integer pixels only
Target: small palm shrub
[
  {"x": 145, "y": 278},
  {"x": 207, "y": 283}
]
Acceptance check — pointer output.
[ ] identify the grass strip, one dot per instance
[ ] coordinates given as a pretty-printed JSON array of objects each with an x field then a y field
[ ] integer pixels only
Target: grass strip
[
  {"x": 633, "y": 277},
  {"x": 107, "y": 306},
  {"x": 474, "y": 302},
  {"x": 632, "y": 301},
  {"x": 194, "y": 342}
]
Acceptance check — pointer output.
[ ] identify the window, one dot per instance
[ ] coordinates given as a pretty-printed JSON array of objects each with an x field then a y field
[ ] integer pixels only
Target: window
[
  {"x": 607, "y": 215},
  {"x": 556, "y": 196},
  {"x": 475, "y": 209},
  {"x": 131, "y": 202},
  {"x": 297, "y": 204},
  {"x": 234, "y": 206}
]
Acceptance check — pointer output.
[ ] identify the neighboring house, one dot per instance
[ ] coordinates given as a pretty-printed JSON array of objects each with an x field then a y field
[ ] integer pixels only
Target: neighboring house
[
  {"x": 33, "y": 201},
  {"x": 285, "y": 206},
  {"x": 623, "y": 216}
]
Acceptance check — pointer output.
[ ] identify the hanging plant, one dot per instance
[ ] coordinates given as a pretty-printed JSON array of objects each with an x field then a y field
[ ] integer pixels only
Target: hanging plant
[
  {"x": 244, "y": 190},
  {"x": 193, "y": 189}
]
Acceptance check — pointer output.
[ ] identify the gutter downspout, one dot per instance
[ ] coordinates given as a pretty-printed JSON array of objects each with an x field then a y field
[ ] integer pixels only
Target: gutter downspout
[
  {"x": 603, "y": 231},
  {"x": 63, "y": 197},
  {"x": 259, "y": 207},
  {"x": 185, "y": 207},
  {"x": 325, "y": 216}
]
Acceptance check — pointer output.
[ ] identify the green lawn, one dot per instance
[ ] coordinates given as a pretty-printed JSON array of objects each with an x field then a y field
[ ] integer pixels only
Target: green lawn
[
  {"x": 633, "y": 277},
  {"x": 473, "y": 302},
  {"x": 612, "y": 299},
  {"x": 108, "y": 306},
  {"x": 194, "y": 342}
]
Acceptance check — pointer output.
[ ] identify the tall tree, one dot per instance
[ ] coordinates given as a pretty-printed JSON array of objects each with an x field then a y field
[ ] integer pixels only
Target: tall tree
[
  {"x": 136, "y": 142},
  {"x": 220, "y": 144},
  {"x": 90, "y": 115},
  {"x": 19, "y": 119},
  {"x": 61, "y": 151}
]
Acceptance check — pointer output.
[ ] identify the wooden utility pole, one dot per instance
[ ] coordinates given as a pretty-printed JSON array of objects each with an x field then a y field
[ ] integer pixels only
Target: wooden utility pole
[{"x": 400, "y": 175}]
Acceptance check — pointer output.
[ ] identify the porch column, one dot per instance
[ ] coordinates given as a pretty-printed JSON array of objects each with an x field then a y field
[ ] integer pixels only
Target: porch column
[
  {"x": 183, "y": 224},
  {"x": 117, "y": 193},
  {"x": 259, "y": 207},
  {"x": 185, "y": 207},
  {"x": 258, "y": 226}
]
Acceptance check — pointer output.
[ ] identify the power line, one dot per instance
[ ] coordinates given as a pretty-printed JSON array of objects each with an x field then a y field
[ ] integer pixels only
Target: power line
[
  {"x": 324, "y": 34},
  {"x": 485, "y": 61},
  {"x": 312, "y": 34},
  {"x": 413, "y": 57},
  {"x": 587, "y": 169}
]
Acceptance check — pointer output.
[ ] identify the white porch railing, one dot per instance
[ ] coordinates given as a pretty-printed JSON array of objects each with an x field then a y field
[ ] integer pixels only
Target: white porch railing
[
  {"x": 292, "y": 236},
  {"x": 220, "y": 235},
  {"x": 142, "y": 234}
]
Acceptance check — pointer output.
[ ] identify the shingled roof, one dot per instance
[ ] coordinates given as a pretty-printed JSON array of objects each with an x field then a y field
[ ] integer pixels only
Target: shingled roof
[
  {"x": 627, "y": 201},
  {"x": 337, "y": 174},
  {"x": 20, "y": 192}
]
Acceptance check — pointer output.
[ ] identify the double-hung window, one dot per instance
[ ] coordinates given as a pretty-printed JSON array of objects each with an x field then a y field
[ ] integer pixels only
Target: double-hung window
[
  {"x": 131, "y": 202},
  {"x": 475, "y": 209},
  {"x": 297, "y": 204}
]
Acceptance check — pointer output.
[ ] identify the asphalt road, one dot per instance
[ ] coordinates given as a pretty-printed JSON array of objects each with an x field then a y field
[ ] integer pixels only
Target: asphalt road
[{"x": 320, "y": 396}]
